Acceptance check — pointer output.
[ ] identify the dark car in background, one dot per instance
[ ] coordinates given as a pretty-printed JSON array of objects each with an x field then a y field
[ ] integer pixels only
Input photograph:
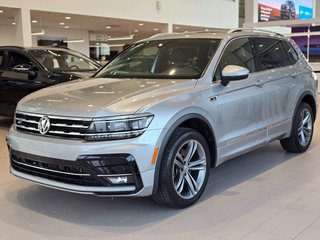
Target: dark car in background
[
  {"x": 25, "y": 70},
  {"x": 288, "y": 10}
]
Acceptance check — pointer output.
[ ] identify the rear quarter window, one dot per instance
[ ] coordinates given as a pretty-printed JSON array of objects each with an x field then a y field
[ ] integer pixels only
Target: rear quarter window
[{"x": 291, "y": 52}]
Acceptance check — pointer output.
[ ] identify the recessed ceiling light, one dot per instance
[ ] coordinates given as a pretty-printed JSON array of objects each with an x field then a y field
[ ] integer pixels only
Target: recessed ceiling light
[
  {"x": 68, "y": 18},
  {"x": 66, "y": 27},
  {"x": 34, "y": 21},
  {"x": 62, "y": 23},
  {"x": 140, "y": 24},
  {"x": 156, "y": 29},
  {"x": 1, "y": 11},
  {"x": 136, "y": 30},
  {"x": 13, "y": 23},
  {"x": 177, "y": 27},
  {"x": 207, "y": 30},
  {"x": 108, "y": 27}
]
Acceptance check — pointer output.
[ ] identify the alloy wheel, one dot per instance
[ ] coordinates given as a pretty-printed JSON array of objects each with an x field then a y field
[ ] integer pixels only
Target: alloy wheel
[
  {"x": 305, "y": 127},
  {"x": 189, "y": 169}
]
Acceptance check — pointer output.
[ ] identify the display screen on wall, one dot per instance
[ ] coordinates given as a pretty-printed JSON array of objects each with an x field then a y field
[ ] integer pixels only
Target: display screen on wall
[{"x": 276, "y": 10}]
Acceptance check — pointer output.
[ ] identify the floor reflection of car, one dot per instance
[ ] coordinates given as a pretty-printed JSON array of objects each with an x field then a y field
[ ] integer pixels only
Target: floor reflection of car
[
  {"x": 25, "y": 70},
  {"x": 288, "y": 10}
]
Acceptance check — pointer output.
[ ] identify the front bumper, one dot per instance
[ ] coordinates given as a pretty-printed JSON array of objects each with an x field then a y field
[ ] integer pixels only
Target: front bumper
[{"x": 114, "y": 168}]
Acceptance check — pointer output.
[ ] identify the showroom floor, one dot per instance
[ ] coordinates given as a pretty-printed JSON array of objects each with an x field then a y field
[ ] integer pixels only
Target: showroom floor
[{"x": 264, "y": 195}]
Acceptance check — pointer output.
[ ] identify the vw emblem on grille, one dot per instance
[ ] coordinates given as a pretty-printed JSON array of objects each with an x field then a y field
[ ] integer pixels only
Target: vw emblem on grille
[{"x": 44, "y": 125}]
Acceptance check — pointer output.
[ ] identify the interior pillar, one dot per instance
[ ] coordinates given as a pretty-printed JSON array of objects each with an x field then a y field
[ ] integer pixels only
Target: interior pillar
[{"x": 23, "y": 27}]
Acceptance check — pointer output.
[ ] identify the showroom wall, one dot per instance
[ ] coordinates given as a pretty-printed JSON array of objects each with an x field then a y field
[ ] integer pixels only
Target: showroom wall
[
  {"x": 8, "y": 35},
  {"x": 209, "y": 13},
  {"x": 204, "y": 13}
]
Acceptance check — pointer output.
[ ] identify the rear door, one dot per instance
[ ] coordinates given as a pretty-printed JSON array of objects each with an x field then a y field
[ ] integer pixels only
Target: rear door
[{"x": 281, "y": 80}]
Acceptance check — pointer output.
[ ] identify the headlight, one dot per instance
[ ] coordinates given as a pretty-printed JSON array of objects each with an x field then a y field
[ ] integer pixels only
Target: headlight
[{"x": 122, "y": 127}]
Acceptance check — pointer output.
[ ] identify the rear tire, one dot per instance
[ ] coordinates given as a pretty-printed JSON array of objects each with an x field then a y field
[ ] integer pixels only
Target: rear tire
[
  {"x": 302, "y": 130},
  {"x": 184, "y": 169}
]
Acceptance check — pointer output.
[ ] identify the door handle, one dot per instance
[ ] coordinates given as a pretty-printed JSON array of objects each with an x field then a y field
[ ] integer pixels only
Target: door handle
[{"x": 259, "y": 83}]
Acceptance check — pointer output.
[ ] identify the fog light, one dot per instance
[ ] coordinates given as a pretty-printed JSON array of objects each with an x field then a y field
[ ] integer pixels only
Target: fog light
[{"x": 118, "y": 180}]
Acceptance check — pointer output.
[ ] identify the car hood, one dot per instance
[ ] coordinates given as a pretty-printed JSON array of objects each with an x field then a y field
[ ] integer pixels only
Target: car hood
[
  {"x": 76, "y": 74},
  {"x": 98, "y": 97}
]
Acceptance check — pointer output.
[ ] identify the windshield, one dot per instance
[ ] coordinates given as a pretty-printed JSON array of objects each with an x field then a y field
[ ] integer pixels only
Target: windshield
[
  {"x": 63, "y": 60},
  {"x": 174, "y": 59}
]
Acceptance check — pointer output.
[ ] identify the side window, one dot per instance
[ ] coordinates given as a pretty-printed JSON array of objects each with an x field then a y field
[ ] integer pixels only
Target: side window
[
  {"x": 292, "y": 54},
  {"x": 270, "y": 54},
  {"x": 1, "y": 59},
  {"x": 238, "y": 52},
  {"x": 17, "y": 59}
]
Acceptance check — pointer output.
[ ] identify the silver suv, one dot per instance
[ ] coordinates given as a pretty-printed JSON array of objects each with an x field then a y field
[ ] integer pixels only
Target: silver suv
[{"x": 156, "y": 118}]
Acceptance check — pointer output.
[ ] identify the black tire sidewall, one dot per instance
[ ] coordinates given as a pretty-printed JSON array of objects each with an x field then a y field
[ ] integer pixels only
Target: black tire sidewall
[
  {"x": 295, "y": 133},
  {"x": 176, "y": 141}
]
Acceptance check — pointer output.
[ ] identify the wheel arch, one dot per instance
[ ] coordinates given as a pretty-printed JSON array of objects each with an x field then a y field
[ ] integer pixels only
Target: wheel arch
[
  {"x": 309, "y": 99},
  {"x": 306, "y": 97},
  {"x": 194, "y": 121}
]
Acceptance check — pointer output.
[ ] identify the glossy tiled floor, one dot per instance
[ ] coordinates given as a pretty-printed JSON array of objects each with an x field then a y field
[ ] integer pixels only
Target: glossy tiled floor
[{"x": 264, "y": 195}]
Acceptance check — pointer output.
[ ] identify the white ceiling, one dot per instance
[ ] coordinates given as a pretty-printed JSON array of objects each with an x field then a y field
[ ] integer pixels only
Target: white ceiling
[{"x": 98, "y": 25}]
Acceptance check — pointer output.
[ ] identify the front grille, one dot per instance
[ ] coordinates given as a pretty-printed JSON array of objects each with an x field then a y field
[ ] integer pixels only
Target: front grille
[
  {"x": 88, "y": 170},
  {"x": 59, "y": 127}
]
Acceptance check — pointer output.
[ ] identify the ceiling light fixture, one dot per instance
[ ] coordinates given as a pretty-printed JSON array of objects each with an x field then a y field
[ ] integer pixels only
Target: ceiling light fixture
[
  {"x": 67, "y": 18},
  {"x": 136, "y": 30},
  {"x": 108, "y": 27},
  {"x": 156, "y": 29},
  {"x": 1, "y": 11},
  {"x": 38, "y": 33},
  {"x": 13, "y": 23},
  {"x": 66, "y": 27},
  {"x": 73, "y": 41},
  {"x": 120, "y": 38},
  {"x": 62, "y": 23},
  {"x": 177, "y": 27},
  {"x": 140, "y": 24},
  {"x": 34, "y": 21}
]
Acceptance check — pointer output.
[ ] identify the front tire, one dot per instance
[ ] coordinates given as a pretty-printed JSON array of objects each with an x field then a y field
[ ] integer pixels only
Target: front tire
[
  {"x": 302, "y": 131},
  {"x": 184, "y": 169}
]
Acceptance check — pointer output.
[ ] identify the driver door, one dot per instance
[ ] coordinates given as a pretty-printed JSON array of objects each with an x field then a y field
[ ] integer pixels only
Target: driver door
[{"x": 241, "y": 124}]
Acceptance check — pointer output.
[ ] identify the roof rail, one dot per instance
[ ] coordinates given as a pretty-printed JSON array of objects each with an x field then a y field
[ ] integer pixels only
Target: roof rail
[
  {"x": 162, "y": 34},
  {"x": 254, "y": 30},
  {"x": 12, "y": 46}
]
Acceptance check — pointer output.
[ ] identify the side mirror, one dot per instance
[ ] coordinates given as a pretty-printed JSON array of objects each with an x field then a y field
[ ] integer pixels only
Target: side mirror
[
  {"x": 24, "y": 68},
  {"x": 233, "y": 73},
  {"x": 27, "y": 69}
]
